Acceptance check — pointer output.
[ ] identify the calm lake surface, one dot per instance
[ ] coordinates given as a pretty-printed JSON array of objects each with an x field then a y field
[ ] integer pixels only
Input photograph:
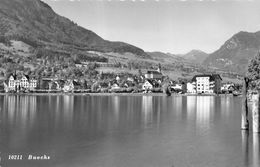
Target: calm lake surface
[{"x": 123, "y": 131}]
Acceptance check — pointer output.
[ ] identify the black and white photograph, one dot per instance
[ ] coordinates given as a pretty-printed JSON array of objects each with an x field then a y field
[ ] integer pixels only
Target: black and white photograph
[{"x": 129, "y": 83}]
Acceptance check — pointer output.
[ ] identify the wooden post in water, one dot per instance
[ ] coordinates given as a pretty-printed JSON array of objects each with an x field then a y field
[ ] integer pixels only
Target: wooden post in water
[
  {"x": 256, "y": 112},
  {"x": 244, "y": 114}
]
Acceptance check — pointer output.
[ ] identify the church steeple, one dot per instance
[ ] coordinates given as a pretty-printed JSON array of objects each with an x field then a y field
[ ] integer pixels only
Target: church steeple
[{"x": 159, "y": 68}]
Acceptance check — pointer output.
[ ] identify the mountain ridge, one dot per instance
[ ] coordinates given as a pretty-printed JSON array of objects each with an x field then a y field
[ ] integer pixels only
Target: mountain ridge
[
  {"x": 196, "y": 56},
  {"x": 36, "y": 21},
  {"x": 235, "y": 53}
]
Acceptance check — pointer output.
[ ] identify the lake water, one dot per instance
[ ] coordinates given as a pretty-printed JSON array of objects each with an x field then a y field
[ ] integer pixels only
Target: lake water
[{"x": 123, "y": 131}]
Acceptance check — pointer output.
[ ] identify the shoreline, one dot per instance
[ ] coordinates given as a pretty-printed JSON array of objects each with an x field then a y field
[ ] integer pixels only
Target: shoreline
[{"x": 107, "y": 94}]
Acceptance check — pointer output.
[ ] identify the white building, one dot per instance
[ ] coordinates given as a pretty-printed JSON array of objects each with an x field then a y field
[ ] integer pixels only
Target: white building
[
  {"x": 191, "y": 87},
  {"x": 177, "y": 87},
  {"x": 227, "y": 87},
  {"x": 147, "y": 85},
  {"x": 24, "y": 83},
  {"x": 115, "y": 86},
  {"x": 12, "y": 82},
  {"x": 33, "y": 83},
  {"x": 207, "y": 83}
]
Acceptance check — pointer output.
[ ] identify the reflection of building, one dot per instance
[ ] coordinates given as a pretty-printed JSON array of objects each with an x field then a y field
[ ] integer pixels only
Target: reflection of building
[
  {"x": 147, "y": 109},
  {"x": 191, "y": 106},
  {"x": 204, "y": 107},
  {"x": 21, "y": 110},
  {"x": 207, "y": 83}
]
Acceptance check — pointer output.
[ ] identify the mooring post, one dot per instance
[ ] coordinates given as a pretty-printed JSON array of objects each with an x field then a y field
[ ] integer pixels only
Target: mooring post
[
  {"x": 256, "y": 149},
  {"x": 255, "y": 112},
  {"x": 244, "y": 114},
  {"x": 245, "y": 146}
]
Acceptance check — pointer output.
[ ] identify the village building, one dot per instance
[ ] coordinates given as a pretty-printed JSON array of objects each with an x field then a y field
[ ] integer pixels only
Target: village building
[
  {"x": 191, "y": 87},
  {"x": 115, "y": 86},
  {"x": 156, "y": 74},
  {"x": 12, "y": 83},
  {"x": 117, "y": 78},
  {"x": 71, "y": 85},
  {"x": 24, "y": 81},
  {"x": 176, "y": 86},
  {"x": 148, "y": 85},
  {"x": 33, "y": 83},
  {"x": 227, "y": 87},
  {"x": 207, "y": 83},
  {"x": 130, "y": 79},
  {"x": 60, "y": 84},
  {"x": 17, "y": 84}
]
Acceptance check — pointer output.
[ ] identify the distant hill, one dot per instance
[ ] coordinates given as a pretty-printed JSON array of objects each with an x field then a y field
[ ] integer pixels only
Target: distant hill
[
  {"x": 195, "y": 56},
  {"x": 235, "y": 53},
  {"x": 35, "y": 23},
  {"x": 166, "y": 57}
]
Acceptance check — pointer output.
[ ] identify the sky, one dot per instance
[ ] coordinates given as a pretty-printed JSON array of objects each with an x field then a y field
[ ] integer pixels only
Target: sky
[{"x": 175, "y": 26}]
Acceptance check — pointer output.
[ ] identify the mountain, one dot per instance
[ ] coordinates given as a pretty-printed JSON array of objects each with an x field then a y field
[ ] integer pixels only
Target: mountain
[
  {"x": 195, "y": 56},
  {"x": 35, "y": 23},
  {"x": 235, "y": 53},
  {"x": 166, "y": 57}
]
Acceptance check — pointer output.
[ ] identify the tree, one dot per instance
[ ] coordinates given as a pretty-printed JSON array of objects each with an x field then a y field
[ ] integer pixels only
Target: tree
[
  {"x": 140, "y": 72},
  {"x": 253, "y": 72},
  {"x": 159, "y": 66}
]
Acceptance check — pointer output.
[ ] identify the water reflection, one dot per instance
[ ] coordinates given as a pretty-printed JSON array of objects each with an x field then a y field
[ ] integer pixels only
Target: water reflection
[
  {"x": 256, "y": 154},
  {"x": 68, "y": 110},
  {"x": 245, "y": 146},
  {"x": 203, "y": 110},
  {"x": 129, "y": 131},
  {"x": 191, "y": 107},
  {"x": 20, "y": 111},
  {"x": 116, "y": 107},
  {"x": 251, "y": 149},
  {"x": 147, "y": 109}
]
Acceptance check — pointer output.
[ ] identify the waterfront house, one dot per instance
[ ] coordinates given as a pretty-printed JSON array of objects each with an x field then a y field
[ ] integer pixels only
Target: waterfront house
[
  {"x": 71, "y": 85},
  {"x": 176, "y": 87},
  {"x": 115, "y": 86},
  {"x": 60, "y": 84},
  {"x": 32, "y": 83},
  {"x": 117, "y": 78},
  {"x": 68, "y": 86},
  {"x": 207, "y": 83},
  {"x": 12, "y": 82},
  {"x": 148, "y": 85},
  {"x": 191, "y": 87},
  {"x": 227, "y": 87},
  {"x": 130, "y": 79},
  {"x": 23, "y": 83}
]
